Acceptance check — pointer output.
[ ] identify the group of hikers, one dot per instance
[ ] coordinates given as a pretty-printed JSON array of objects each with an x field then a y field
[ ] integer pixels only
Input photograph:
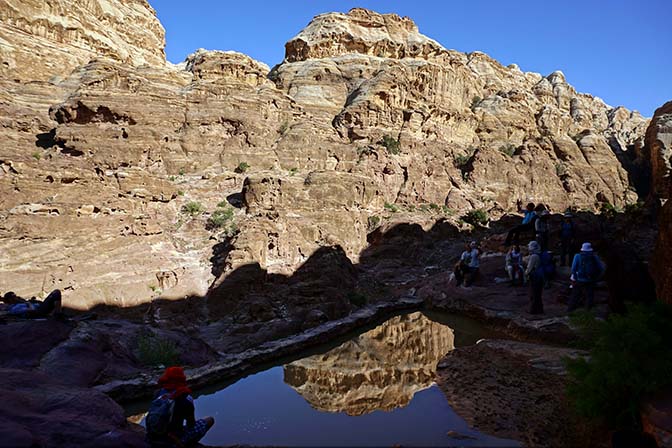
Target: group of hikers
[{"x": 540, "y": 268}]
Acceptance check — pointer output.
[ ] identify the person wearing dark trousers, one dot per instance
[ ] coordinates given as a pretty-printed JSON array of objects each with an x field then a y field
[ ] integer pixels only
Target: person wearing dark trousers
[
  {"x": 535, "y": 275},
  {"x": 529, "y": 217},
  {"x": 586, "y": 271},
  {"x": 567, "y": 232},
  {"x": 541, "y": 230},
  {"x": 33, "y": 308}
]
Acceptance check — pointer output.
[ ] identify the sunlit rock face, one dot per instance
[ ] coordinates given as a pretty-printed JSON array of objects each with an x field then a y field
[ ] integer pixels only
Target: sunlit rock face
[
  {"x": 380, "y": 370},
  {"x": 104, "y": 143}
]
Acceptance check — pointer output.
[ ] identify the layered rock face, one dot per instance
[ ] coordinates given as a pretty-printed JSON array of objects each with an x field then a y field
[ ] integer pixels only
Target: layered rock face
[
  {"x": 380, "y": 370},
  {"x": 112, "y": 170},
  {"x": 659, "y": 145},
  {"x": 45, "y": 39}
]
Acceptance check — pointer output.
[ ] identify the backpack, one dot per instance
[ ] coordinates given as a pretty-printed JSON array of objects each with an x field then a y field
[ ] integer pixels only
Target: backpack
[
  {"x": 588, "y": 269},
  {"x": 160, "y": 414},
  {"x": 547, "y": 263}
]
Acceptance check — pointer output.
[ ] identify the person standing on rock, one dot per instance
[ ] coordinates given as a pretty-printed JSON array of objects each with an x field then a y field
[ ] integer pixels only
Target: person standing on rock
[
  {"x": 535, "y": 275},
  {"x": 529, "y": 217},
  {"x": 587, "y": 269},
  {"x": 541, "y": 230},
  {"x": 567, "y": 233},
  {"x": 170, "y": 419}
]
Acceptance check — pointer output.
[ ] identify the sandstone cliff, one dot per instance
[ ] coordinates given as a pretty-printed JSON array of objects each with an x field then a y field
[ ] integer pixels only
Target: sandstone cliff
[{"x": 114, "y": 167}]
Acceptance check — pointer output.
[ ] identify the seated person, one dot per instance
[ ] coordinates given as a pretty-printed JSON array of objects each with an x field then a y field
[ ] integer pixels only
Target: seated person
[
  {"x": 33, "y": 308},
  {"x": 170, "y": 419},
  {"x": 514, "y": 265}
]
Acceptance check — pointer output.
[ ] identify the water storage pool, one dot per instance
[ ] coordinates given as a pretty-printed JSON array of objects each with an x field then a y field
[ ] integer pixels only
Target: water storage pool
[{"x": 376, "y": 389}]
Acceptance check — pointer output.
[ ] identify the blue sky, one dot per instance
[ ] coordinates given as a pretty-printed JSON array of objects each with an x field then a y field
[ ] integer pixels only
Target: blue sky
[{"x": 619, "y": 50}]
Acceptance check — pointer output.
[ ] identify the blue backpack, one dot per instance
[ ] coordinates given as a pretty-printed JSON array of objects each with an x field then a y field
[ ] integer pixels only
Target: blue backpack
[
  {"x": 160, "y": 414},
  {"x": 588, "y": 269},
  {"x": 547, "y": 263}
]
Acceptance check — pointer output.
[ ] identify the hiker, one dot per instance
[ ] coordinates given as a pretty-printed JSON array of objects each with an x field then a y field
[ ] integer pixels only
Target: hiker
[
  {"x": 530, "y": 216},
  {"x": 514, "y": 265},
  {"x": 567, "y": 233},
  {"x": 535, "y": 276},
  {"x": 33, "y": 308},
  {"x": 586, "y": 271},
  {"x": 172, "y": 406},
  {"x": 541, "y": 230},
  {"x": 547, "y": 261},
  {"x": 467, "y": 268}
]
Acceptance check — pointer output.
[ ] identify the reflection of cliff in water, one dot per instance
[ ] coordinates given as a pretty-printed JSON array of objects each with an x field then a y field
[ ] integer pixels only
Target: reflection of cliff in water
[{"x": 380, "y": 370}]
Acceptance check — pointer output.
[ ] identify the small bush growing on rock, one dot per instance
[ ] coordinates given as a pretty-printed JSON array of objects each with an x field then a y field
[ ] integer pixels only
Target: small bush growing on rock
[
  {"x": 477, "y": 217},
  {"x": 37, "y": 155},
  {"x": 357, "y": 299},
  {"x": 634, "y": 208},
  {"x": 391, "y": 144},
  {"x": 172, "y": 178},
  {"x": 242, "y": 167},
  {"x": 608, "y": 209},
  {"x": 373, "y": 222},
  {"x": 220, "y": 218},
  {"x": 284, "y": 127},
  {"x": 474, "y": 102},
  {"x": 447, "y": 210},
  {"x": 293, "y": 171},
  {"x": 434, "y": 207},
  {"x": 181, "y": 172},
  {"x": 364, "y": 151},
  {"x": 391, "y": 207},
  {"x": 509, "y": 149},
  {"x": 461, "y": 160},
  {"x": 180, "y": 192},
  {"x": 153, "y": 350},
  {"x": 192, "y": 208},
  {"x": 630, "y": 359},
  {"x": 560, "y": 169}
]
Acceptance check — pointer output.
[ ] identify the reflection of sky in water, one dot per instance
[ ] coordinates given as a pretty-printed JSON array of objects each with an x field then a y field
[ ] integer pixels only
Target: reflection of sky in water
[{"x": 262, "y": 410}]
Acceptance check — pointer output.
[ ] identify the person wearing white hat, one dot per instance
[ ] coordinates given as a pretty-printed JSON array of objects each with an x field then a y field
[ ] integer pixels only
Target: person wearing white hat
[
  {"x": 586, "y": 271},
  {"x": 535, "y": 274}
]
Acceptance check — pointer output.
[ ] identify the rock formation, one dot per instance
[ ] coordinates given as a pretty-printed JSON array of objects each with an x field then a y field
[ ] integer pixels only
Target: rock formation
[
  {"x": 115, "y": 161},
  {"x": 380, "y": 370},
  {"x": 659, "y": 146}
]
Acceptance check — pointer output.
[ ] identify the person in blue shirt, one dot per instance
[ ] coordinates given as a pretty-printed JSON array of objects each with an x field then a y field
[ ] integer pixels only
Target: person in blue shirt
[
  {"x": 587, "y": 269},
  {"x": 529, "y": 218}
]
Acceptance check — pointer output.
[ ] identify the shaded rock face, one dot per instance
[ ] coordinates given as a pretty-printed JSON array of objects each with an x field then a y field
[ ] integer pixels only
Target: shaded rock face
[
  {"x": 661, "y": 263},
  {"x": 380, "y": 370},
  {"x": 99, "y": 162},
  {"x": 55, "y": 415},
  {"x": 659, "y": 147}
]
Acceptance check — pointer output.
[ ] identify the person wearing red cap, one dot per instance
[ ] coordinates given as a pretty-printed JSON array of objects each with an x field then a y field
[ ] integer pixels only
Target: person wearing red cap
[{"x": 171, "y": 420}]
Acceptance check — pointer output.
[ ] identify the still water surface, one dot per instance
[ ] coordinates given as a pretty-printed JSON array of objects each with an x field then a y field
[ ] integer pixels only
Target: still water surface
[{"x": 376, "y": 389}]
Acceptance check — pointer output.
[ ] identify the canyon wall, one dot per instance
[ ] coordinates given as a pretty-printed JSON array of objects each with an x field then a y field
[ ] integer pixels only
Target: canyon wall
[{"x": 119, "y": 168}]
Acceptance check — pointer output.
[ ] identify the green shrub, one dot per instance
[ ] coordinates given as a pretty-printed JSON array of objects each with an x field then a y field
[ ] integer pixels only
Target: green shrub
[
  {"x": 434, "y": 207},
  {"x": 447, "y": 210},
  {"x": 153, "y": 350},
  {"x": 172, "y": 178},
  {"x": 293, "y": 171},
  {"x": 391, "y": 207},
  {"x": 364, "y": 151},
  {"x": 373, "y": 222},
  {"x": 509, "y": 149},
  {"x": 474, "y": 102},
  {"x": 391, "y": 144},
  {"x": 461, "y": 160},
  {"x": 242, "y": 167},
  {"x": 180, "y": 192},
  {"x": 357, "y": 299},
  {"x": 181, "y": 172},
  {"x": 608, "y": 209},
  {"x": 476, "y": 217},
  {"x": 192, "y": 208},
  {"x": 630, "y": 358},
  {"x": 37, "y": 155},
  {"x": 635, "y": 207},
  {"x": 220, "y": 218},
  {"x": 284, "y": 127},
  {"x": 560, "y": 169}
]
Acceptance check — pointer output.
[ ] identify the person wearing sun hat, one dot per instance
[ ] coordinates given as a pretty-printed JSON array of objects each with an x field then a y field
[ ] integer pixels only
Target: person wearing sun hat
[
  {"x": 587, "y": 269},
  {"x": 171, "y": 417}
]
